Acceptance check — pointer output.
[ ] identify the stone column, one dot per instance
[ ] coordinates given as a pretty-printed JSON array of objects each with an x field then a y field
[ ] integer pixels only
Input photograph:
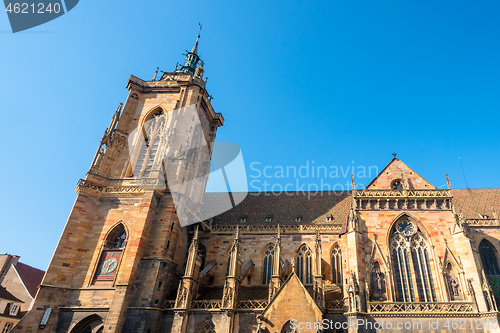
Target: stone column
[
  {"x": 276, "y": 281},
  {"x": 188, "y": 287},
  {"x": 232, "y": 285},
  {"x": 319, "y": 294}
]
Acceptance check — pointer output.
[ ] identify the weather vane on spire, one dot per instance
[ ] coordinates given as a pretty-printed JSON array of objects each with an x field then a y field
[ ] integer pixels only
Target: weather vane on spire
[{"x": 201, "y": 26}]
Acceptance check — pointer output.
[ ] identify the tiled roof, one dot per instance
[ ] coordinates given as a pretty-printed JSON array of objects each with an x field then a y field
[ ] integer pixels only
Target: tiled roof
[
  {"x": 315, "y": 207},
  {"x": 32, "y": 277},
  {"x": 472, "y": 202},
  {"x": 4, "y": 294},
  {"x": 284, "y": 208}
]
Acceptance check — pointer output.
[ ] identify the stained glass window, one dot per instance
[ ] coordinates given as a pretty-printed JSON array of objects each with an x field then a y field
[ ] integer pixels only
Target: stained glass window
[
  {"x": 411, "y": 263},
  {"x": 152, "y": 132},
  {"x": 489, "y": 258},
  {"x": 268, "y": 264},
  {"x": 304, "y": 264},
  {"x": 336, "y": 264}
]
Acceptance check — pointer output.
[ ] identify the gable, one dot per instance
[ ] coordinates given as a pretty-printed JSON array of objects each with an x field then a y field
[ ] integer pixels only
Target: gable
[
  {"x": 292, "y": 302},
  {"x": 395, "y": 170},
  {"x": 30, "y": 276}
]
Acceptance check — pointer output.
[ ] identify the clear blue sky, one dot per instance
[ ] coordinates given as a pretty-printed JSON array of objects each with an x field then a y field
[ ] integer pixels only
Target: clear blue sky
[{"x": 297, "y": 81}]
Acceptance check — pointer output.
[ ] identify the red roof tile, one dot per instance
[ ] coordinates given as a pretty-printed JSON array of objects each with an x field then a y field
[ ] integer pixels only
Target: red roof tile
[
  {"x": 315, "y": 207},
  {"x": 31, "y": 277},
  {"x": 284, "y": 208},
  {"x": 472, "y": 202}
]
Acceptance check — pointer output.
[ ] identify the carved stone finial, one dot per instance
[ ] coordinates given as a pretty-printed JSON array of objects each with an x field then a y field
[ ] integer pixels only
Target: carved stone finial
[
  {"x": 236, "y": 240},
  {"x": 195, "y": 233},
  {"x": 394, "y": 154},
  {"x": 318, "y": 238},
  {"x": 278, "y": 236},
  {"x": 448, "y": 181},
  {"x": 199, "y": 70},
  {"x": 293, "y": 265},
  {"x": 156, "y": 73},
  {"x": 352, "y": 182}
]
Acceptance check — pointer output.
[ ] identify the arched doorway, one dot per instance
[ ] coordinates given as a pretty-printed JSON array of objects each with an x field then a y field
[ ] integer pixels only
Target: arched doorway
[{"x": 91, "y": 324}]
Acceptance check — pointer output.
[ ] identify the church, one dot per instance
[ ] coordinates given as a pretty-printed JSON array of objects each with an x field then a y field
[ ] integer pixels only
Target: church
[{"x": 398, "y": 255}]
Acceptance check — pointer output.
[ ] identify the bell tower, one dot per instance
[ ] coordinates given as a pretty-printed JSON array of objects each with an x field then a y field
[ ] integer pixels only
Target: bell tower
[{"x": 122, "y": 251}]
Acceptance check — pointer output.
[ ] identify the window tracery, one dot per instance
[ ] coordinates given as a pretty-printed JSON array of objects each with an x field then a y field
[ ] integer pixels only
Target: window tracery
[
  {"x": 336, "y": 264},
  {"x": 268, "y": 264},
  {"x": 411, "y": 259},
  {"x": 488, "y": 258},
  {"x": 304, "y": 264}
]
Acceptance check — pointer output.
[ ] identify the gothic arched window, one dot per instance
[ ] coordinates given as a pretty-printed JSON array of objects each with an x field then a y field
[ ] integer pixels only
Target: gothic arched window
[
  {"x": 114, "y": 246},
  {"x": 228, "y": 265},
  {"x": 268, "y": 264},
  {"x": 304, "y": 264},
  {"x": 489, "y": 258},
  {"x": 153, "y": 132},
  {"x": 207, "y": 327},
  {"x": 336, "y": 264},
  {"x": 117, "y": 238},
  {"x": 412, "y": 267}
]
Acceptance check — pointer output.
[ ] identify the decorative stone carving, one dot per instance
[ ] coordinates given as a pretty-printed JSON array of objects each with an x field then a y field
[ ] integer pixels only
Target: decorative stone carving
[
  {"x": 353, "y": 292},
  {"x": 181, "y": 298}
]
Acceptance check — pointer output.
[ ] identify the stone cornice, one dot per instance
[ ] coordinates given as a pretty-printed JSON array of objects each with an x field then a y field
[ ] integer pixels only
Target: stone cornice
[
  {"x": 410, "y": 194},
  {"x": 272, "y": 229},
  {"x": 88, "y": 187}
]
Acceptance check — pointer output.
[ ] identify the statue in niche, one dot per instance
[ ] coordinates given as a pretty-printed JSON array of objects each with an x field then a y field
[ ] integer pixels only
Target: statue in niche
[
  {"x": 378, "y": 283},
  {"x": 452, "y": 283},
  {"x": 353, "y": 292},
  {"x": 454, "y": 287}
]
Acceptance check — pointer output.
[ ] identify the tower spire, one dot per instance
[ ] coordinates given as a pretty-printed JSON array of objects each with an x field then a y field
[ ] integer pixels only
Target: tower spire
[
  {"x": 192, "y": 57},
  {"x": 195, "y": 47}
]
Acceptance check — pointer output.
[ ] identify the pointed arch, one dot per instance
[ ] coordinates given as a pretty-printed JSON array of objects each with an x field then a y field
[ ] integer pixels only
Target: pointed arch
[
  {"x": 303, "y": 264},
  {"x": 336, "y": 262},
  {"x": 155, "y": 110},
  {"x": 267, "y": 259},
  {"x": 206, "y": 326},
  {"x": 114, "y": 246},
  {"x": 377, "y": 255},
  {"x": 90, "y": 324},
  {"x": 489, "y": 257},
  {"x": 117, "y": 236},
  {"x": 411, "y": 258},
  {"x": 452, "y": 281},
  {"x": 150, "y": 140},
  {"x": 449, "y": 257},
  {"x": 406, "y": 215}
]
